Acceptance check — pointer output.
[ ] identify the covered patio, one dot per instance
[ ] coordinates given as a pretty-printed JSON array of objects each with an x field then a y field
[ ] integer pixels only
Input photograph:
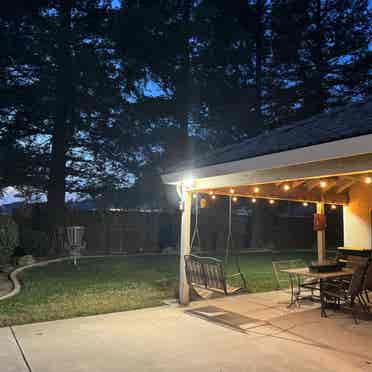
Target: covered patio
[
  {"x": 250, "y": 332},
  {"x": 326, "y": 160}
]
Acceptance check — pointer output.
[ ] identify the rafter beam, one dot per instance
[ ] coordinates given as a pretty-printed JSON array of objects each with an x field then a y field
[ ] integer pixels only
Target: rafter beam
[
  {"x": 330, "y": 185},
  {"x": 296, "y": 184},
  {"x": 312, "y": 184},
  {"x": 345, "y": 185}
]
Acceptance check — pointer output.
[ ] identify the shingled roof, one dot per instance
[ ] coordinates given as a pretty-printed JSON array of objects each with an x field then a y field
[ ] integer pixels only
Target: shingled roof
[{"x": 349, "y": 121}]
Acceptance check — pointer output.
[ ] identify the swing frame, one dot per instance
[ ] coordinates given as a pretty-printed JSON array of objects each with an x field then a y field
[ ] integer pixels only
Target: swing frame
[{"x": 209, "y": 272}]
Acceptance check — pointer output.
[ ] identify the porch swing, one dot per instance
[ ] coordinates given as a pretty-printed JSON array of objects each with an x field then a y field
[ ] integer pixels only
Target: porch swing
[{"x": 210, "y": 272}]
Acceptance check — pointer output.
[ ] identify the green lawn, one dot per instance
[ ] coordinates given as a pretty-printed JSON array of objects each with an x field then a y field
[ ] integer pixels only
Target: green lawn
[{"x": 111, "y": 284}]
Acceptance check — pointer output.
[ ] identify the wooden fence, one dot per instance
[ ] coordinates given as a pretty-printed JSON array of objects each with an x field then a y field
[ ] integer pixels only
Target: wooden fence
[
  {"x": 136, "y": 232},
  {"x": 131, "y": 232}
]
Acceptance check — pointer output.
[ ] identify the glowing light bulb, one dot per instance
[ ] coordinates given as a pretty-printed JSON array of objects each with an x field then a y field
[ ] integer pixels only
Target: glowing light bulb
[
  {"x": 323, "y": 184},
  {"x": 210, "y": 192},
  {"x": 253, "y": 200},
  {"x": 232, "y": 191},
  {"x": 368, "y": 180},
  {"x": 189, "y": 182},
  {"x": 194, "y": 196},
  {"x": 333, "y": 206},
  {"x": 256, "y": 190},
  {"x": 286, "y": 187},
  {"x": 271, "y": 201},
  {"x": 213, "y": 197},
  {"x": 305, "y": 204},
  {"x": 234, "y": 199}
]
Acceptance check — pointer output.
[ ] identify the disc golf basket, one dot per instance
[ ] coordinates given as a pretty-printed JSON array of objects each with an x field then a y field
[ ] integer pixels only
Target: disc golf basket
[{"x": 75, "y": 240}]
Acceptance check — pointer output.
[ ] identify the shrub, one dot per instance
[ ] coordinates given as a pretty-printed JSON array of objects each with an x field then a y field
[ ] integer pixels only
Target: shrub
[
  {"x": 9, "y": 239},
  {"x": 34, "y": 242}
]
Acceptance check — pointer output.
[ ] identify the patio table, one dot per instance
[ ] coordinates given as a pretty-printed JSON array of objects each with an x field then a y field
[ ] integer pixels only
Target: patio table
[{"x": 322, "y": 277}]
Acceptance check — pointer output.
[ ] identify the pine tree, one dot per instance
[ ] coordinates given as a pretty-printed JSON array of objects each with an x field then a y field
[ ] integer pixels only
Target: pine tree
[
  {"x": 64, "y": 95},
  {"x": 318, "y": 48}
]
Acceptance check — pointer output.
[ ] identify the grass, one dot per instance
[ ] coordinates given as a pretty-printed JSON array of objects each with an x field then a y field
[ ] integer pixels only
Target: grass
[{"x": 104, "y": 285}]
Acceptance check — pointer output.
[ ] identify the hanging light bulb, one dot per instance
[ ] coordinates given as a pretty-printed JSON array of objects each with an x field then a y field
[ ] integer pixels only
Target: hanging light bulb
[
  {"x": 271, "y": 201},
  {"x": 305, "y": 204},
  {"x": 213, "y": 197},
  {"x": 286, "y": 187},
  {"x": 234, "y": 199},
  {"x": 253, "y": 200},
  {"x": 368, "y": 180},
  {"x": 333, "y": 206},
  {"x": 256, "y": 190},
  {"x": 323, "y": 184},
  {"x": 211, "y": 193},
  {"x": 232, "y": 191}
]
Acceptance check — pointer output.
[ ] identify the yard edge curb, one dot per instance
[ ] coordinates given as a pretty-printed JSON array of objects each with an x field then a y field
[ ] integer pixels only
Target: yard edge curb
[{"x": 14, "y": 279}]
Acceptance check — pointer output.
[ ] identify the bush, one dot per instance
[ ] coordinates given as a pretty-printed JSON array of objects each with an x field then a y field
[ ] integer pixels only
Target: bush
[
  {"x": 9, "y": 239},
  {"x": 34, "y": 242}
]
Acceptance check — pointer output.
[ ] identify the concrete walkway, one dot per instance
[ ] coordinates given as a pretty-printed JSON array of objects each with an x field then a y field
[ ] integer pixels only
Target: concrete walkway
[{"x": 253, "y": 333}]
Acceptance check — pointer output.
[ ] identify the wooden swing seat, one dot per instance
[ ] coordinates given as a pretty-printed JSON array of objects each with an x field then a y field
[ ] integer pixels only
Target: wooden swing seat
[{"x": 209, "y": 273}]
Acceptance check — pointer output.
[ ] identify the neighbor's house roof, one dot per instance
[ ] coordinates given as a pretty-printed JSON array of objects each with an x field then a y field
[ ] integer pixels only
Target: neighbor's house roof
[{"x": 350, "y": 121}]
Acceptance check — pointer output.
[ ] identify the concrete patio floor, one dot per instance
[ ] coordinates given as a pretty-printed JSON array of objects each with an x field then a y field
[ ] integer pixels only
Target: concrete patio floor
[{"x": 252, "y": 332}]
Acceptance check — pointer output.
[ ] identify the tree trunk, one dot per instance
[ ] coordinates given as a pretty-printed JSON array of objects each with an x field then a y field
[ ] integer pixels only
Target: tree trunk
[
  {"x": 260, "y": 12},
  {"x": 179, "y": 149},
  {"x": 57, "y": 173},
  {"x": 319, "y": 59},
  {"x": 314, "y": 95}
]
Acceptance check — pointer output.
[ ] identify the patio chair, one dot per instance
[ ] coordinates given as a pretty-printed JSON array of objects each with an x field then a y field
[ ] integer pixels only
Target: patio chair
[
  {"x": 297, "y": 283},
  {"x": 368, "y": 283},
  {"x": 350, "y": 262},
  {"x": 282, "y": 278},
  {"x": 340, "y": 295}
]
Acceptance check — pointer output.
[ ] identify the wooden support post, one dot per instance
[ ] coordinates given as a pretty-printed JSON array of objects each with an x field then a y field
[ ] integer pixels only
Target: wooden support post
[
  {"x": 184, "y": 289},
  {"x": 321, "y": 235}
]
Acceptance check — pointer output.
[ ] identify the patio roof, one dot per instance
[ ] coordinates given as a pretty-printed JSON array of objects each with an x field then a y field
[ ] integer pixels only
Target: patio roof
[
  {"x": 346, "y": 122},
  {"x": 330, "y": 144}
]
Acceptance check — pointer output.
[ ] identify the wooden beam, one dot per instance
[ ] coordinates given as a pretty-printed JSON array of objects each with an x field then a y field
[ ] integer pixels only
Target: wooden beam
[
  {"x": 296, "y": 184},
  {"x": 184, "y": 289},
  {"x": 346, "y": 184},
  {"x": 321, "y": 243},
  {"x": 312, "y": 184},
  {"x": 330, "y": 185},
  {"x": 270, "y": 191}
]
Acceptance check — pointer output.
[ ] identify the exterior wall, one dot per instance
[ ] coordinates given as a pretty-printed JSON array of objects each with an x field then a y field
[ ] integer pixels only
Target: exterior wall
[{"x": 357, "y": 217}]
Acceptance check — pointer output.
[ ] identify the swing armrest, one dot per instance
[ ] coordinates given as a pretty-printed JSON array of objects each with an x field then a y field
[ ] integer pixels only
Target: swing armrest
[{"x": 231, "y": 276}]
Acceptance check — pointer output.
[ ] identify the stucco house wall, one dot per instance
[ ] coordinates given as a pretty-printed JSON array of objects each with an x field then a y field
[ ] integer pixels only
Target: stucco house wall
[{"x": 357, "y": 217}]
